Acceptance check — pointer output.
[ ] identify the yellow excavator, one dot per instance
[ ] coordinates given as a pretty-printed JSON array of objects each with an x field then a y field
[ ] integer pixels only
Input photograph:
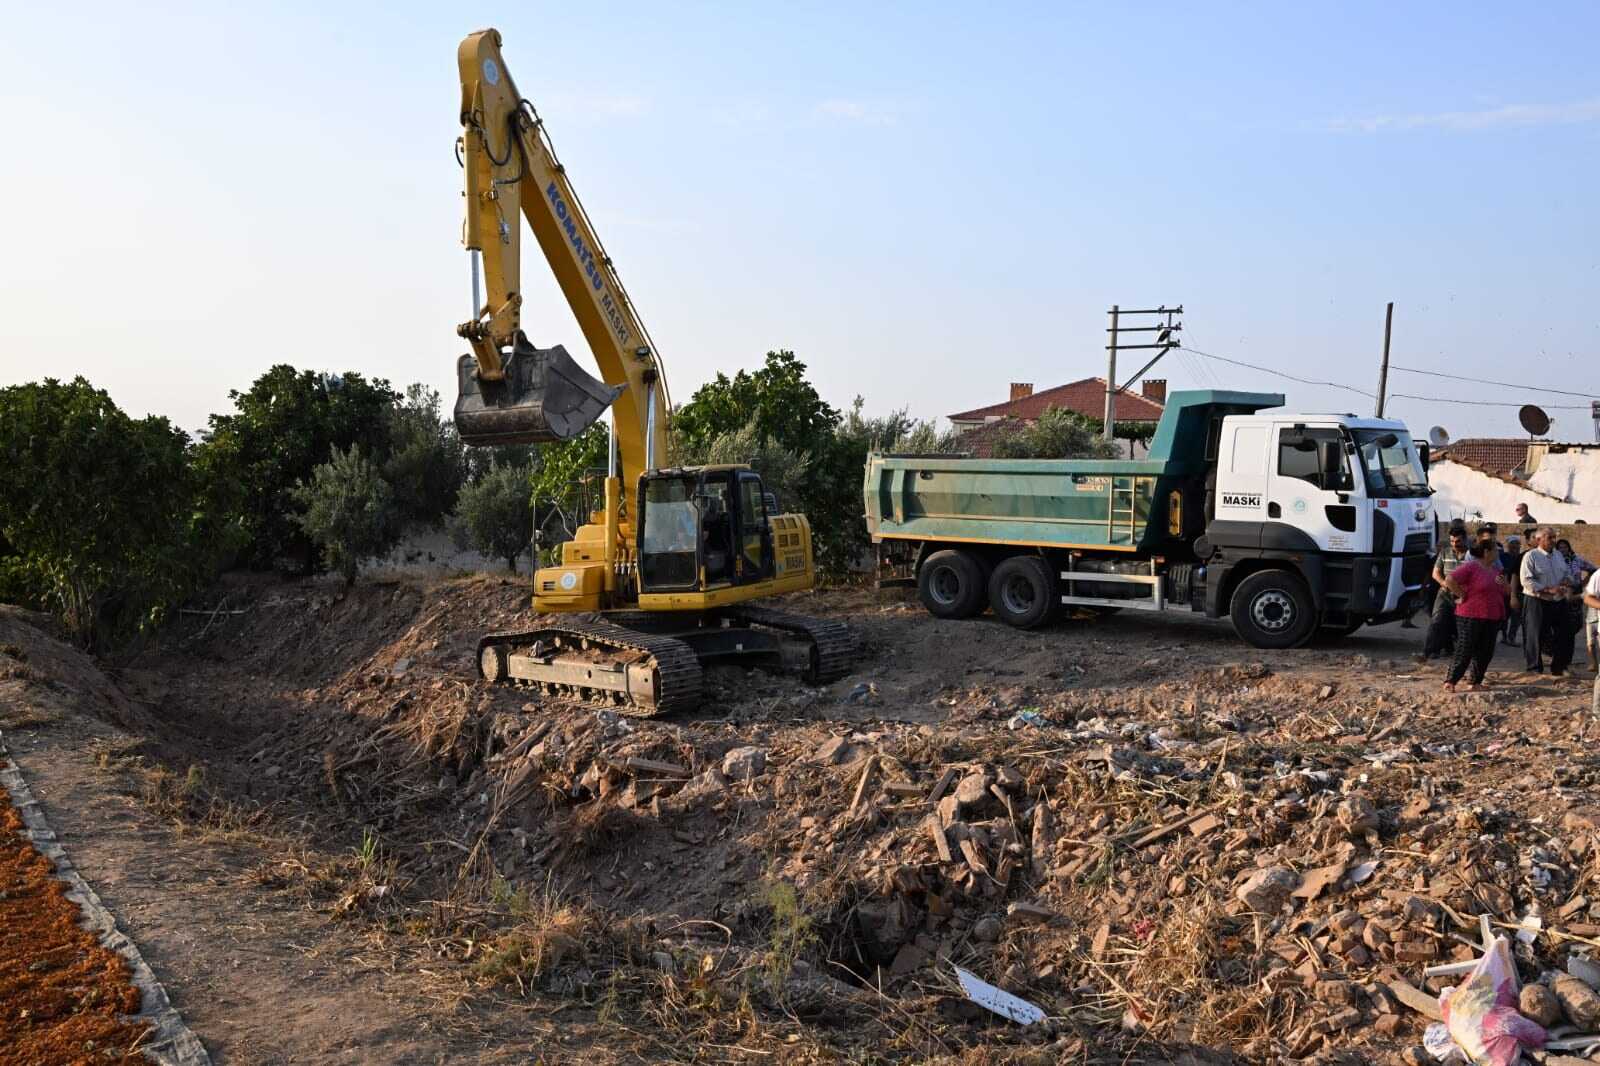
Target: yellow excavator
[{"x": 661, "y": 581}]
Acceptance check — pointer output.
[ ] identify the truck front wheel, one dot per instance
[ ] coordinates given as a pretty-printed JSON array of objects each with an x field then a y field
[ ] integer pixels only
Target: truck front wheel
[
  {"x": 1273, "y": 609},
  {"x": 1021, "y": 592},
  {"x": 950, "y": 584}
]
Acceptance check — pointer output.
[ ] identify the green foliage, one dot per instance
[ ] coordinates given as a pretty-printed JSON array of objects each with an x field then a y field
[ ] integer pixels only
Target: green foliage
[
  {"x": 494, "y": 515},
  {"x": 792, "y": 933},
  {"x": 565, "y": 484},
  {"x": 786, "y": 410},
  {"x": 784, "y": 405},
  {"x": 286, "y": 424},
  {"x": 348, "y": 511},
  {"x": 783, "y": 471},
  {"x": 96, "y": 509},
  {"x": 1058, "y": 434},
  {"x": 18, "y": 584},
  {"x": 426, "y": 464}
]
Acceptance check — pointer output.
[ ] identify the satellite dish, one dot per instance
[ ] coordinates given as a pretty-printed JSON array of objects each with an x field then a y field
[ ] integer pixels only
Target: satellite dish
[
  {"x": 1534, "y": 420},
  {"x": 1438, "y": 436}
]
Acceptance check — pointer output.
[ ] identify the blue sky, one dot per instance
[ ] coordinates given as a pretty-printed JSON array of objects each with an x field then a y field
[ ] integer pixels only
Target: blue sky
[{"x": 926, "y": 202}]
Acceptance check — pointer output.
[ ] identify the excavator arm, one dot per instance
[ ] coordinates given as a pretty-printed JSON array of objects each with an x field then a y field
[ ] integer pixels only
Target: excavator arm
[{"x": 512, "y": 392}]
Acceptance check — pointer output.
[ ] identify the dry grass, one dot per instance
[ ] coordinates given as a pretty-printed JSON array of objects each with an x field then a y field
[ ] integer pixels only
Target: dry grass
[
  {"x": 1191, "y": 979},
  {"x": 549, "y": 932}
]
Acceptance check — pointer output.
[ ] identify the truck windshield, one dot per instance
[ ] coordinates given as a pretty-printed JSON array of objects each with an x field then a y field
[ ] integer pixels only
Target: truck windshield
[{"x": 1392, "y": 465}]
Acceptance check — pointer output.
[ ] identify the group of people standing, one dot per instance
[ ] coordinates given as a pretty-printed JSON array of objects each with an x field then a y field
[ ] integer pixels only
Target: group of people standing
[{"x": 1545, "y": 594}]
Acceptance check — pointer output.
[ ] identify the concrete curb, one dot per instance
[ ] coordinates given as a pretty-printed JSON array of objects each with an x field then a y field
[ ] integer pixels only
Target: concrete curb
[{"x": 171, "y": 1043}]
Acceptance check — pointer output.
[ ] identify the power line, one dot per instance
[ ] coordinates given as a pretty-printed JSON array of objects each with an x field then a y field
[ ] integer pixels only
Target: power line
[
  {"x": 1279, "y": 373},
  {"x": 1398, "y": 395},
  {"x": 1485, "y": 381},
  {"x": 1487, "y": 403}
]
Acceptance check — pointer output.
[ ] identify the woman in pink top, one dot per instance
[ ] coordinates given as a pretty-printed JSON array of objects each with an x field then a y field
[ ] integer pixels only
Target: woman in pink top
[{"x": 1480, "y": 595}]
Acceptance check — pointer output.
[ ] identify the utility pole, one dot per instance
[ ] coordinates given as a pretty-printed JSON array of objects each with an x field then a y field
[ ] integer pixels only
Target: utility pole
[
  {"x": 1383, "y": 371},
  {"x": 1166, "y": 340}
]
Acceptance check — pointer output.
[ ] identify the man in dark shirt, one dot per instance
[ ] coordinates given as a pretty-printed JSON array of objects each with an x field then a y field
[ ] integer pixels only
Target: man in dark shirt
[
  {"x": 1440, "y": 639},
  {"x": 1511, "y": 566}
]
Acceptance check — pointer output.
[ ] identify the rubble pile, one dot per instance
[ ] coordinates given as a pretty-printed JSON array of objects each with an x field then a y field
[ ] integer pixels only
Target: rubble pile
[{"x": 1154, "y": 853}]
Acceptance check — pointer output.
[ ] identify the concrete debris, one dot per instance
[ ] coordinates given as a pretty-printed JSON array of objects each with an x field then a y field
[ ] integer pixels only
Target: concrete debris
[
  {"x": 1268, "y": 890},
  {"x": 742, "y": 764}
]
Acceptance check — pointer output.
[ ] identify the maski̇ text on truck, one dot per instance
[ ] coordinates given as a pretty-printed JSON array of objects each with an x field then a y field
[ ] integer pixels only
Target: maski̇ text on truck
[{"x": 1289, "y": 524}]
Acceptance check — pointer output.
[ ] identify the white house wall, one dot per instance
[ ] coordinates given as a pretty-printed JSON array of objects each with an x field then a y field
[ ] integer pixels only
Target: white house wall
[{"x": 1462, "y": 492}]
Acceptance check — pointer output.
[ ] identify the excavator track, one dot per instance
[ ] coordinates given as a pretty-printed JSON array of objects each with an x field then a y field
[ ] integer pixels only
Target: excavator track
[
  {"x": 553, "y": 657},
  {"x": 833, "y": 645}
]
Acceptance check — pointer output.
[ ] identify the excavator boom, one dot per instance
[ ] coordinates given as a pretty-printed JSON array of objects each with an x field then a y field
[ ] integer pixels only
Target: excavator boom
[
  {"x": 512, "y": 392},
  {"x": 674, "y": 557}
]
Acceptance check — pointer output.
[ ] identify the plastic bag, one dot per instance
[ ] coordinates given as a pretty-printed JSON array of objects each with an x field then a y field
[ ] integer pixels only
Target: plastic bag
[{"x": 1481, "y": 1013}]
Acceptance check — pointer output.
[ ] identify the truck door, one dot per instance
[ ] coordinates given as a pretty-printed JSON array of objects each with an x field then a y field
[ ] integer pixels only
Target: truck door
[
  {"x": 1313, "y": 489},
  {"x": 1239, "y": 498}
]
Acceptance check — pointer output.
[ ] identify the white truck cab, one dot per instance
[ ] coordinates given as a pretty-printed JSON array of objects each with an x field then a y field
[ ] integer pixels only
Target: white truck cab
[{"x": 1345, "y": 499}]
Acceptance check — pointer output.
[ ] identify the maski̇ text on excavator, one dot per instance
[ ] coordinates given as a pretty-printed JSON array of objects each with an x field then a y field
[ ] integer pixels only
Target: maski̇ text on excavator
[{"x": 663, "y": 580}]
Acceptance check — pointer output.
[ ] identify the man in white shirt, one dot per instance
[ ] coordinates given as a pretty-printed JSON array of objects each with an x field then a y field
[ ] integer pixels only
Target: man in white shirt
[{"x": 1546, "y": 581}]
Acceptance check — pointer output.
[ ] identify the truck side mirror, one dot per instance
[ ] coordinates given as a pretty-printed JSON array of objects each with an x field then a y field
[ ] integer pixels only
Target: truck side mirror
[{"x": 1425, "y": 453}]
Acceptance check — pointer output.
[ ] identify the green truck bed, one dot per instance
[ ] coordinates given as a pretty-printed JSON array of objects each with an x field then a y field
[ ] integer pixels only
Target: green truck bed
[{"x": 1063, "y": 503}]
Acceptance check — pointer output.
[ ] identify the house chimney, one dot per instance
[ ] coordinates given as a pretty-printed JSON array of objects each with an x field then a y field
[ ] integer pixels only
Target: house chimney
[
  {"x": 1021, "y": 390},
  {"x": 1154, "y": 389}
]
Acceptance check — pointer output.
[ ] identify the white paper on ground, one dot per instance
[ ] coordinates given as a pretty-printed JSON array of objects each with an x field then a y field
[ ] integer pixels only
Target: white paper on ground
[{"x": 998, "y": 1000}]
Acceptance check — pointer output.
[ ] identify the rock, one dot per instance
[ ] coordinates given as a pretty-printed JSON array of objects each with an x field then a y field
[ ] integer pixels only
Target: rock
[
  {"x": 834, "y": 751},
  {"x": 1267, "y": 890},
  {"x": 1578, "y": 1000},
  {"x": 1335, "y": 993},
  {"x": 272, "y": 771},
  {"x": 1042, "y": 840},
  {"x": 400, "y": 667},
  {"x": 1009, "y": 778},
  {"x": 1344, "y": 1019},
  {"x": 1540, "y": 1004},
  {"x": 742, "y": 764},
  {"x": 664, "y": 962},
  {"x": 1357, "y": 815},
  {"x": 1389, "y": 1024},
  {"x": 1416, "y": 1055},
  {"x": 973, "y": 790},
  {"x": 986, "y": 929}
]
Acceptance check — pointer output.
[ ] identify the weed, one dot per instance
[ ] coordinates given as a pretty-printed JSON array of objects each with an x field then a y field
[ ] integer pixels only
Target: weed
[
  {"x": 193, "y": 780},
  {"x": 792, "y": 933},
  {"x": 367, "y": 853}
]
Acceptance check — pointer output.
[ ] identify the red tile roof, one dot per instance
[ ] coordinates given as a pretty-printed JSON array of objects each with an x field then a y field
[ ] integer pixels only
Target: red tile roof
[
  {"x": 1086, "y": 397},
  {"x": 1492, "y": 455},
  {"x": 980, "y": 440}
]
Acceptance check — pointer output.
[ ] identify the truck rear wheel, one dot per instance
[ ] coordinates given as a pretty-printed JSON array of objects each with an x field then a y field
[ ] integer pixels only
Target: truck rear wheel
[
  {"x": 1021, "y": 592},
  {"x": 950, "y": 584},
  {"x": 1273, "y": 609}
]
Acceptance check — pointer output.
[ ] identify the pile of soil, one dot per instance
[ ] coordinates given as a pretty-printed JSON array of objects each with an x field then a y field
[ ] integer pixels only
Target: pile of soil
[
  {"x": 1169, "y": 843},
  {"x": 62, "y": 995}
]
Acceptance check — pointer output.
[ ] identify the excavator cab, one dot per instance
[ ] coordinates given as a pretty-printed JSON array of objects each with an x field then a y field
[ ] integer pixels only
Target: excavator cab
[
  {"x": 544, "y": 397},
  {"x": 703, "y": 528}
]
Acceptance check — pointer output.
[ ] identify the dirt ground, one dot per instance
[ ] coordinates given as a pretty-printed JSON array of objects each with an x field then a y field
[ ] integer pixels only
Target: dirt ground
[{"x": 333, "y": 843}]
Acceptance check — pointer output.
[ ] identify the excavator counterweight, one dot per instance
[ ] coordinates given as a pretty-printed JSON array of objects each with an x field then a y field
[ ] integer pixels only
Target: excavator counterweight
[{"x": 544, "y": 397}]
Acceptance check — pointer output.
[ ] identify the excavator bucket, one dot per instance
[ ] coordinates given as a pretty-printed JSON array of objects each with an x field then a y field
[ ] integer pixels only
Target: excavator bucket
[{"x": 545, "y": 397}]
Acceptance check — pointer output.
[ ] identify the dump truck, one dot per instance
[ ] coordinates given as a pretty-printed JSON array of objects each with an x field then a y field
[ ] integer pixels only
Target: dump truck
[{"x": 1291, "y": 525}]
